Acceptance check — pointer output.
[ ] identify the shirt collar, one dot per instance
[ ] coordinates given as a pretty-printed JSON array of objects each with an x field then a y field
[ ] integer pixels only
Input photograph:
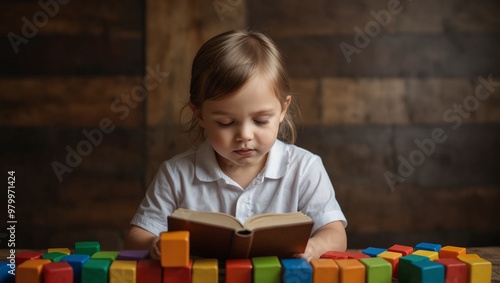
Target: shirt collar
[{"x": 207, "y": 169}]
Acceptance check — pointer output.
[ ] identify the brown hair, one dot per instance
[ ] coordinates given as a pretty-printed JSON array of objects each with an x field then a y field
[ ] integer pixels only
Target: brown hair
[{"x": 226, "y": 62}]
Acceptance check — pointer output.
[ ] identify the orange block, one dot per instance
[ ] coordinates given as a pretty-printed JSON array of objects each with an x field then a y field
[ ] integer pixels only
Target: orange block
[
  {"x": 451, "y": 251},
  {"x": 174, "y": 249},
  {"x": 351, "y": 271},
  {"x": 239, "y": 271},
  {"x": 393, "y": 259},
  {"x": 31, "y": 271},
  {"x": 325, "y": 271}
]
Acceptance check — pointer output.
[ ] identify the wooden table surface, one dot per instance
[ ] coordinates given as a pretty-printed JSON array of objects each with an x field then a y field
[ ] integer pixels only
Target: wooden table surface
[{"x": 491, "y": 254}]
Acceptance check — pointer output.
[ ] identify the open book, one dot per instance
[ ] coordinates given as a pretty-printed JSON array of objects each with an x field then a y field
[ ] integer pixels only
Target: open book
[{"x": 222, "y": 236}]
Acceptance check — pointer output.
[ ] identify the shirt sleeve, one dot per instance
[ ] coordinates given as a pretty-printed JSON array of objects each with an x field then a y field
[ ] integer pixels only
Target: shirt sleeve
[
  {"x": 317, "y": 196},
  {"x": 158, "y": 203}
]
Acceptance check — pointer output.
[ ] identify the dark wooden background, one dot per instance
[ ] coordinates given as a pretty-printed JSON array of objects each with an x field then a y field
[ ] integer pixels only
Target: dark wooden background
[{"x": 360, "y": 116}]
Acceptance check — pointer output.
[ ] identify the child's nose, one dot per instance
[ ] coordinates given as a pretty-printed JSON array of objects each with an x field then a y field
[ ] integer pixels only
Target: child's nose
[{"x": 245, "y": 133}]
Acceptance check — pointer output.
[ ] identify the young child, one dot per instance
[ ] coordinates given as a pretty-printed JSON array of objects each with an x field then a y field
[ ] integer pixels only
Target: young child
[{"x": 247, "y": 164}]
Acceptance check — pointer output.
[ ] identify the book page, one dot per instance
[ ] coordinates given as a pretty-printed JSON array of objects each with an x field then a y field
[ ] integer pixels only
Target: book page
[
  {"x": 208, "y": 217},
  {"x": 276, "y": 219}
]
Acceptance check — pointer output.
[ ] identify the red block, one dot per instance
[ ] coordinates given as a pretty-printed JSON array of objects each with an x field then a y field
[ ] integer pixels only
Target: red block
[
  {"x": 58, "y": 272},
  {"x": 335, "y": 255},
  {"x": 404, "y": 250},
  {"x": 239, "y": 271},
  {"x": 178, "y": 274},
  {"x": 357, "y": 255},
  {"x": 148, "y": 271},
  {"x": 456, "y": 270},
  {"x": 27, "y": 255}
]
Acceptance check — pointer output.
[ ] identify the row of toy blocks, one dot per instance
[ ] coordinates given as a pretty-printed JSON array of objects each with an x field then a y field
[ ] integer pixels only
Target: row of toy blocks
[{"x": 429, "y": 260}]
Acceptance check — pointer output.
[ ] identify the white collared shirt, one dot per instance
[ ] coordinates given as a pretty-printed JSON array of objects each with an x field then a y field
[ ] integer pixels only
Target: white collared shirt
[{"x": 293, "y": 180}]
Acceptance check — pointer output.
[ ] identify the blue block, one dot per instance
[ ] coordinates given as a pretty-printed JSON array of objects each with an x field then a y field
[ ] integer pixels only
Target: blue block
[
  {"x": 5, "y": 276},
  {"x": 426, "y": 271},
  {"x": 404, "y": 267},
  {"x": 76, "y": 261},
  {"x": 296, "y": 270},
  {"x": 428, "y": 247},
  {"x": 373, "y": 252}
]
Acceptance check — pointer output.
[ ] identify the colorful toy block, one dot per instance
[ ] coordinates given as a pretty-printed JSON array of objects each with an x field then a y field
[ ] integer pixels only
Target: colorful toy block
[
  {"x": 59, "y": 250},
  {"x": 27, "y": 255},
  {"x": 174, "y": 249},
  {"x": 430, "y": 254},
  {"x": 325, "y": 270},
  {"x": 205, "y": 271},
  {"x": 479, "y": 269},
  {"x": 123, "y": 271},
  {"x": 428, "y": 247},
  {"x": 31, "y": 271},
  {"x": 109, "y": 256},
  {"x": 296, "y": 270},
  {"x": 393, "y": 259},
  {"x": 178, "y": 274},
  {"x": 95, "y": 271},
  {"x": 357, "y": 255},
  {"x": 425, "y": 271},
  {"x": 239, "y": 271},
  {"x": 87, "y": 248},
  {"x": 351, "y": 271},
  {"x": 335, "y": 255},
  {"x": 404, "y": 250},
  {"x": 54, "y": 256},
  {"x": 133, "y": 255},
  {"x": 455, "y": 270},
  {"x": 58, "y": 272},
  {"x": 373, "y": 252},
  {"x": 149, "y": 271},
  {"x": 405, "y": 264},
  {"x": 378, "y": 270},
  {"x": 7, "y": 272},
  {"x": 266, "y": 269},
  {"x": 76, "y": 261},
  {"x": 451, "y": 251}
]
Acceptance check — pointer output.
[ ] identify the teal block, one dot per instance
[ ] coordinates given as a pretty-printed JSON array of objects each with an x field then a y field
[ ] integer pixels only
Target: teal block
[
  {"x": 87, "y": 248},
  {"x": 110, "y": 256},
  {"x": 54, "y": 257},
  {"x": 76, "y": 261},
  {"x": 373, "y": 252},
  {"x": 96, "y": 271},
  {"x": 296, "y": 270},
  {"x": 428, "y": 247},
  {"x": 266, "y": 269},
  {"x": 378, "y": 270},
  {"x": 405, "y": 264},
  {"x": 426, "y": 271}
]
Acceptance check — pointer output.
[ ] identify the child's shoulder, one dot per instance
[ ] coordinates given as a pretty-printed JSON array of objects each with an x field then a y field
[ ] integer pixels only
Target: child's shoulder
[{"x": 297, "y": 154}]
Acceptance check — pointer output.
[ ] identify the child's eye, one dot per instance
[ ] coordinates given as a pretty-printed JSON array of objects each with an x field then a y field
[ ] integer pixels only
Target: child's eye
[
  {"x": 261, "y": 122},
  {"x": 225, "y": 124}
]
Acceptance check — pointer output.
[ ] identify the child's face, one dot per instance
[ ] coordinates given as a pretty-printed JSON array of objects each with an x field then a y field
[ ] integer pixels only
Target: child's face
[{"x": 243, "y": 127}]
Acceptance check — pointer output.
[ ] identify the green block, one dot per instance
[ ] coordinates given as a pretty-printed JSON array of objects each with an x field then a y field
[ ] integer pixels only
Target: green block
[
  {"x": 54, "y": 257},
  {"x": 87, "y": 248},
  {"x": 266, "y": 269},
  {"x": 405, "y": 265},
  {"x": 378, "y": 270},
  {"x": 95, "y": 271},
  {"x": 111, "y": 256}
]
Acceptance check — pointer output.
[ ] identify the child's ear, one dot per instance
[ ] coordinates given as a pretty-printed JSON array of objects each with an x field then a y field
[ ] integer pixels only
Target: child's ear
[
  {"x": 284, "y": 107},
  {"x": 197, "y": 114}
]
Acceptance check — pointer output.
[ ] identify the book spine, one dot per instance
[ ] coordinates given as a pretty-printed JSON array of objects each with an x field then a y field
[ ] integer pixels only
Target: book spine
[{"x": 241, "y": 243}]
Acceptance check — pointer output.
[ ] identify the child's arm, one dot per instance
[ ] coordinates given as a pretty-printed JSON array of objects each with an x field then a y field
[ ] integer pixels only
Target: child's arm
[
  {"x": 140, "y": 239},
  {"x": 330, "y": 237}
]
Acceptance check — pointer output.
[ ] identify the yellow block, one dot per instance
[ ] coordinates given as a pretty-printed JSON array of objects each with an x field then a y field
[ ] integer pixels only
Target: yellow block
[
  {"x": 430, "y": 254},
  {"x": 479, "y": 268},
  {"x": 174, "y": 249},
  {"x": 59, "y": 250},
  {"x": 351, "y": 271},
  {"x": 31, "y": 271},
  {"x": 123, "y": 271},
  {"x": 451, "y": 251},
  {"x": 469, "y": 256},
  {"x": 325, "y": 271},
  {"x": 205, "y": 271}
]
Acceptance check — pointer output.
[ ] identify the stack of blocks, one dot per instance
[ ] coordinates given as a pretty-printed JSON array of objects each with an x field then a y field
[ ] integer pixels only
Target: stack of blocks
[{"x": 426, "y": 262}]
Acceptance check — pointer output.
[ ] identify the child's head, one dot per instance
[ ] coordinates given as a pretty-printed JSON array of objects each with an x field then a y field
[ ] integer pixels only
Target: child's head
[{"x": 227, "y": 62}]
